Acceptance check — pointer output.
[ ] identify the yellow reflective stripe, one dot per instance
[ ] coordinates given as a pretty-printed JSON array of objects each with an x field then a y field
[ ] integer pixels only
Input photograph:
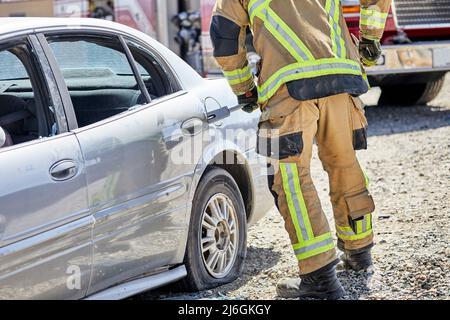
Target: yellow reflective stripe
[
  {"x": 355, "y": 236},
  {"x": 364, "y": 75},
  {"x": 366, "y": 223},
  {"x": 284, "y": 34},
  {"x": 296, "y": 203},
  {"x": 306, "y": 69},
  {"x": 359, "y": 228},
  {"x": 317, "y": 239},
  {"x": 373, "y": 18},
  {"x": 301, "y": 201},
  {"x": 308, "y": 245},
  {"x": 363, "y": 228},
  {"x": 312, "y": 248},
  {"x": 373, "y": 13},
  {"x": 238, "y": 76},
  {"x": 338, "y": 43},
  {"x": 253, "y": 7},
  {"x": 369, "y": 221},
  {"x": 366, "y": 179},
  {"x": 344, "y": 229},
  {"x": 292, "y": 210}
]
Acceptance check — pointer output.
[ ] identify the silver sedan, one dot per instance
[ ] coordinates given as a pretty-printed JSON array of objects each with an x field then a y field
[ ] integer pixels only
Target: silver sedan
[{"x": 121, "y": 169}]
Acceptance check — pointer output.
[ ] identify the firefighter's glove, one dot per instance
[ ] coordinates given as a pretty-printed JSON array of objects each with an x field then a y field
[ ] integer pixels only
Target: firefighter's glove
[
  {"x": 249, "y": 100},
  {"x": 370, "y": 51}
]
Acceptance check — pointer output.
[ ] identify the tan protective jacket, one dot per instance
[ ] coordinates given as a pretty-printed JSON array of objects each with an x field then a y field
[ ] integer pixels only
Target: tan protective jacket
[{"x": 304, "y": 44}]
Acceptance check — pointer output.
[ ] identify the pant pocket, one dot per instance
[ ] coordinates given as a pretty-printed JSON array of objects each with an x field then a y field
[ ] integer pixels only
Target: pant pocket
[
  {"x": 359, "y": 124},
  {"x": 359, "y": 204}
]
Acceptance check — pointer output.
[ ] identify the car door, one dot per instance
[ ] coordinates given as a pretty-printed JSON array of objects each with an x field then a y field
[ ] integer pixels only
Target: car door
[
  {"x": 132, "y": 119},
  {"x": 45, "y": 222}
]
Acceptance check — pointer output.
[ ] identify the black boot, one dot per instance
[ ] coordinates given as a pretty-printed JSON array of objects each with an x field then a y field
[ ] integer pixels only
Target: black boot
[
  {"x": 357, "y": 260},
  {"x": 320, "y": 284}
]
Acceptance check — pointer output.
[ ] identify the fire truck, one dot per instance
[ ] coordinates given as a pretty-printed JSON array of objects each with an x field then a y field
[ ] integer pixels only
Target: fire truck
[{"x": 416, "y": 48}]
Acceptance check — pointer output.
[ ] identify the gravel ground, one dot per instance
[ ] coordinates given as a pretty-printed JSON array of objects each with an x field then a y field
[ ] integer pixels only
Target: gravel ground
[{"x": 408, "y": 163}]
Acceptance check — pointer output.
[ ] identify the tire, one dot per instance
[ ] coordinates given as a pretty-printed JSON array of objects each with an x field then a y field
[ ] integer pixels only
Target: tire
[
  {"x": 411, "y": 94},
  {"x": 216, "y": 185}
]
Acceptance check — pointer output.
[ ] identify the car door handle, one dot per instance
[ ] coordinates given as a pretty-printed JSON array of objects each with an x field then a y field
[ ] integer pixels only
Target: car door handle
[{"x": 64, "y": 170}]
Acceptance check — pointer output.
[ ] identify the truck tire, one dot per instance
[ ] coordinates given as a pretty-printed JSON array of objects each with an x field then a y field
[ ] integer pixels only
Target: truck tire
[
  {"x": 224, "y": 234},
  {"x": 411, "y": 94}
]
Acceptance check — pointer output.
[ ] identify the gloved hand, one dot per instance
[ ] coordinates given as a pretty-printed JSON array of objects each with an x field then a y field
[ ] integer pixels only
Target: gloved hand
[
  {"x": 249, "y": 100},
  {"x": 370, "y": 51}
]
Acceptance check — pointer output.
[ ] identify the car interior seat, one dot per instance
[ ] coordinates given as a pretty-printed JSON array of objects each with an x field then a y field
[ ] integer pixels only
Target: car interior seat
[{"x": 14, "y": 112}]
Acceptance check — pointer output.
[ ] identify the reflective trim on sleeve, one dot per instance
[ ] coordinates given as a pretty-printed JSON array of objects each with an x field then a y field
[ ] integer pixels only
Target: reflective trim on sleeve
[
  {"x": 238, "y": 76},
  {"x": 304, "y": 70},
  {"x": 338, "y": 42},
  {"x": 373, "y": 18}
]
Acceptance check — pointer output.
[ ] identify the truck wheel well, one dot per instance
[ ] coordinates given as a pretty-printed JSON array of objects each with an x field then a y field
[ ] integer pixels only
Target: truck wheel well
[{"x": 240, "y": 174}]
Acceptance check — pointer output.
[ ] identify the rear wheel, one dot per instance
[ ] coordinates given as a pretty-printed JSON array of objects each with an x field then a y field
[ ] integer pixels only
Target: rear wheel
[
  {"x": 217, "y": 242},
  {"x": 411, "y": 94}
]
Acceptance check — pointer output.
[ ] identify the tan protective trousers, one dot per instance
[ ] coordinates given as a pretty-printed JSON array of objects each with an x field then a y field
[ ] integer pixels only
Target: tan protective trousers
[{"x": 287, "y": 130}]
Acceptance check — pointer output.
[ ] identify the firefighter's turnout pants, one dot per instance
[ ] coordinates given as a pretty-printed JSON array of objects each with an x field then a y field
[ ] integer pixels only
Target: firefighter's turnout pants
[{"x": 287, "y": 130}]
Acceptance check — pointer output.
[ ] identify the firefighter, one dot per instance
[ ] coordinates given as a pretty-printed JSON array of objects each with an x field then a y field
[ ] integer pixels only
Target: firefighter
[{"x": 309, "y": 79}]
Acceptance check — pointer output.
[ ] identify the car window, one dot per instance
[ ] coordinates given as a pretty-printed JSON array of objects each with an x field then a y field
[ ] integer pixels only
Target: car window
[
  {"x": 98, "y": 75},
  {"x": 26, "y": 111},
  {"x": 157, "y": 78}
]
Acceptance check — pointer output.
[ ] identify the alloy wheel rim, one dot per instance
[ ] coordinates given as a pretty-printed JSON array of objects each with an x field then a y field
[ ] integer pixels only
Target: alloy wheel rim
[{"x": 219, "y": 235}]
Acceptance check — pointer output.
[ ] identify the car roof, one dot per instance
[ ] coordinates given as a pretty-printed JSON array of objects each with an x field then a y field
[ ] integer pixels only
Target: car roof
[
  {"x": 8, "y": 25},
  {"x": 188, "y": 76}
]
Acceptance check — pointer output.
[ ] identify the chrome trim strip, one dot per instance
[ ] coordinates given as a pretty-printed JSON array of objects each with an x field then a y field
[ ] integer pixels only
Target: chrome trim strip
[{"x": 133, "y": 287}]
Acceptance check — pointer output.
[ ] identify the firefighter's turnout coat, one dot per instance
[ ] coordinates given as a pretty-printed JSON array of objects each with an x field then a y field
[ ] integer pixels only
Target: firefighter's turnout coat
[{"x": 304, "y": 44}]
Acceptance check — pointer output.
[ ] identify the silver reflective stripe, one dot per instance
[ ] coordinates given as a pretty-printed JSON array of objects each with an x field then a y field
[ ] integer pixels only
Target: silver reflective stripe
[
  {"x": 235, "y": 77},
  {"x": 314, "y": 246},
  {"x": 307, "y": 69},
  {"x": 370, "y": 19},
  {"x": 364, "y": 224},
  {"x": 239, "y": 75},
  {"x": 296, "y": 202},
  {"x": 337, "y": 38},
  {"x": 345, "y": 233},
  {"x": 284, "y": 34},
  {"x": 254, "y": 7}
]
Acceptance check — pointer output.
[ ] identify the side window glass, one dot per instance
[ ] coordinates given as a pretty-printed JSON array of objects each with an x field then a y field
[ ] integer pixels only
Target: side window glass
[
  {"x": 98, "y": 75},
  {"x": 157, "y": 79},
  {"x": 26, "y": 111}
]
